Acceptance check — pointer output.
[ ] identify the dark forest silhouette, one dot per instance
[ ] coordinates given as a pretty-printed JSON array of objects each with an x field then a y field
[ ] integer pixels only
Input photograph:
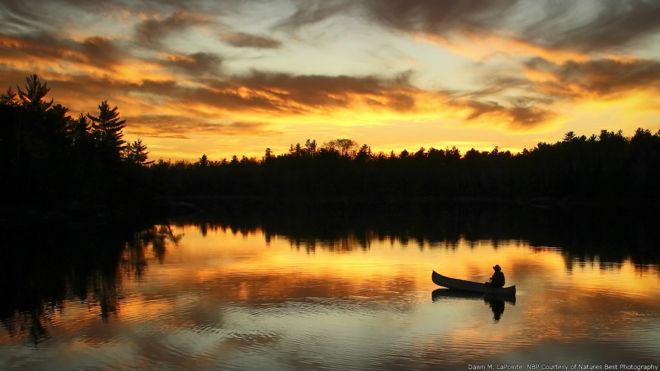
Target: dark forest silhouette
[
  {"x": 607, "y": 167},
  {"x": 52, "y": 161}
]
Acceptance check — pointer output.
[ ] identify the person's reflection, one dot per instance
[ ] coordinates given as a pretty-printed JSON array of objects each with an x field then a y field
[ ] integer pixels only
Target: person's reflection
[
  {"x": 496, "y": 303},
  {"x": 497, "y": 306}
]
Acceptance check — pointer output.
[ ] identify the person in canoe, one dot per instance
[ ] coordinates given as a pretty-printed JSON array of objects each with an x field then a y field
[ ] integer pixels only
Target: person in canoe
[{"x": 497, "y": 279}]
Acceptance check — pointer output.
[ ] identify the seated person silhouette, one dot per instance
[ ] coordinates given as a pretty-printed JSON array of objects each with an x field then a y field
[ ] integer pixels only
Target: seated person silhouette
[{"x": 497, "y": 279}]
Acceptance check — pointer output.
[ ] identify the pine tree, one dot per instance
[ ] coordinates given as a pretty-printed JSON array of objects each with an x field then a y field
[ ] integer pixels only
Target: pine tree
[
  {"x": 107, "y": 130},
  {"x": 33, "y": 96},
  {"x": 136, "y": 153}
]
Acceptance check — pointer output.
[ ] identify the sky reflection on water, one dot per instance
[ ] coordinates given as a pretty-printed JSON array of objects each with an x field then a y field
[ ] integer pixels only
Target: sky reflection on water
[{"x": 213, "y": 298}]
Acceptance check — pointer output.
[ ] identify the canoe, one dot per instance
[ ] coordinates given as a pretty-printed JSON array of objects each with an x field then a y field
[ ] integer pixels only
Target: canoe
[{"x": 456, "y": 284}]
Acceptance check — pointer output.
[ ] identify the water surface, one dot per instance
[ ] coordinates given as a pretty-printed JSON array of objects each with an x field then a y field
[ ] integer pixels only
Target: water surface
[{"x": 191, "y": 296}]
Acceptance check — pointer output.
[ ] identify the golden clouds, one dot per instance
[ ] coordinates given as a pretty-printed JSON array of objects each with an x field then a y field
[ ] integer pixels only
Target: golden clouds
[{"x": 511, "y": 66}]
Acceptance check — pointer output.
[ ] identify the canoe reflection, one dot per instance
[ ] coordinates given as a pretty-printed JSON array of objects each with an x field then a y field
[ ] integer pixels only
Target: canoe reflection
[{"x": 496, "y": 302}]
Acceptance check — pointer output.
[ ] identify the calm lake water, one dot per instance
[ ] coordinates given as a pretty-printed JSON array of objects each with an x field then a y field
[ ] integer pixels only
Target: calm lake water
[{"x": 206, "y": 296}]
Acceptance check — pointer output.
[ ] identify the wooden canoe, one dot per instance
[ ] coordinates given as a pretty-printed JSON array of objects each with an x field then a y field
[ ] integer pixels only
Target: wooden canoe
[{"x": 462, "y": 285}]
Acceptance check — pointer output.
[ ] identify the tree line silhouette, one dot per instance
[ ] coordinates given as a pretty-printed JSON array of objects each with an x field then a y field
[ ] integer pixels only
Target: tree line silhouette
[
  {"x": 601, "y": 168},
  {"x": 49, "y": 158}
]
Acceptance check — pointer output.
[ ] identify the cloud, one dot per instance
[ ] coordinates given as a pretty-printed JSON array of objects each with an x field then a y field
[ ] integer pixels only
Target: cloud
[
  {"x": 571, "y": 80},
  {"x": 601, "y": 77},
  {"x": 611, "y": 23},
  {"x": 16, "y": 18},
  {"x": 101, "y": 51},
  {"x": 520, "y": 110},
  {"x": 308, "y": 12},
  {"x": 439, "y": 17},
  {"x": 180, "y": 127},
  {"x": 528, "y": 116},
  {"x": 257, "y": 90},
  {"x": 246, "y": 40},
  {"x": 309, "y": 91},
  {"x": 517, "y": 115},
  {"x": 152, "y": 31},
  {"x": 480, "y": 47},
  {"x": 196, "y": 63},
  {"x": 410, "y": 16},
  {"x": 283, "y": 95},
  {"x": 533, "y": 27},
  {"x": 41, "y": 47},
  {"x": 95, "y": 51},
  {"x": 551, "y": 82},
  {"x": 494, "y": 85},
  {"x": 569, "y": 26}
]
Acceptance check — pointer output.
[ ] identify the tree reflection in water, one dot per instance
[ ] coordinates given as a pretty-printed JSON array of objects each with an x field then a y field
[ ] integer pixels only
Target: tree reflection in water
[
  {"x": 43, "y": 266},
  {"x": 583, "y": 233}
]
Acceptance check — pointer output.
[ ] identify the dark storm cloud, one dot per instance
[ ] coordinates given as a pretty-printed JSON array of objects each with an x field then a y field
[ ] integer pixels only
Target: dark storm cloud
[
  {"x": 246, "y": 40},
  {"x": 601, "y": 77},
  {"x": 152, "y": 31}
]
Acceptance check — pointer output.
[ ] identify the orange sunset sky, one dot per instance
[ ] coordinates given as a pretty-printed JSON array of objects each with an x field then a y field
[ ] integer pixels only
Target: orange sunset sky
[{"x": 237, "y": 76}]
